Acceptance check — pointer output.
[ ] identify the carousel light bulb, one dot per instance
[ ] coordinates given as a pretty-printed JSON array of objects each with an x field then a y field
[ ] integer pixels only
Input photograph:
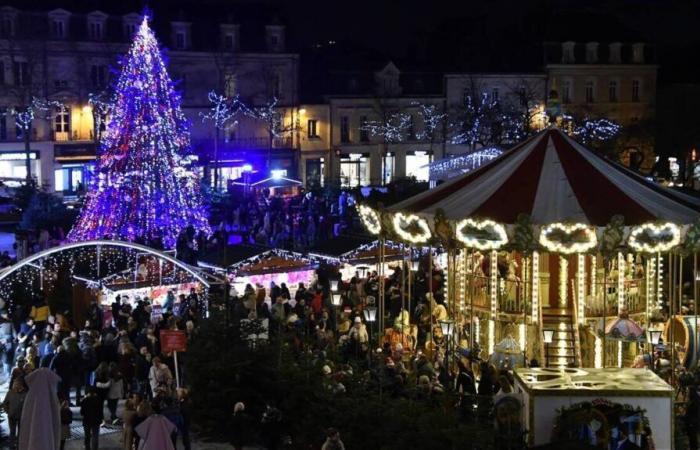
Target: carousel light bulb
[
  {"x": 370, "y": 219},
  {"x": 535, "y": 287},
  {"x": 653, "y": 238},
  {"x": 589, "y": 241},
  {"x": 401, "y": 221},
  {"x": 498, "y": 232}
]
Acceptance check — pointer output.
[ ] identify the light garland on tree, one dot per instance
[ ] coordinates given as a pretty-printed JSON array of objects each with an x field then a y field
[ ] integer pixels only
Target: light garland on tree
[
  {"x": 653, "y": 238},
  {"x": 401, "y": 224},
  {"x": 587, "y": 239},
  {"x": 145, "y": 188},
  {"x": 370, "y": 219},
  {"x": 494, "y": 234}
]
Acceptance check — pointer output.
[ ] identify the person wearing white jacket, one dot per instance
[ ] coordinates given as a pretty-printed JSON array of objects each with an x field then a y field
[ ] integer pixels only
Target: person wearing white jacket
[{"x": 116, "y": 392}]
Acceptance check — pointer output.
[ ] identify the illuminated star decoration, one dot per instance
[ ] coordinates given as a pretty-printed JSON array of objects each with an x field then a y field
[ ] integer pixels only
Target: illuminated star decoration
[{"x": 144, "y": 187}]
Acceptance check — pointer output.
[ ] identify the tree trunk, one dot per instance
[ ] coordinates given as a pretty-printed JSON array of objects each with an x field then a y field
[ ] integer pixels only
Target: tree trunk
[
  {"x": 215, "y": 161},
  {"x": 27, "y": 152}
]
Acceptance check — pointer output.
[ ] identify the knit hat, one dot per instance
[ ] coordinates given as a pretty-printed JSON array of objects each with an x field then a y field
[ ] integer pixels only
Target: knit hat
[
  {"x": 358, "y": 319},
  {"x": 326, "y": 370}
]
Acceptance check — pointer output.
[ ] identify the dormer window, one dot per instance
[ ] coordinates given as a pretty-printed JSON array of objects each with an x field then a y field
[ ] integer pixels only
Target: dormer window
[
  {"x": 567, "y": 52},
  {"x": 592, "y": 52},
  {"x": 58, "y": 28},
  {"x": 7, "y": 27},
  {"x": 615, "y": 53},
  {"x": 275, "y": 38},
  {"x": 130, "y": 23},
  {"x": 229, "y": 36},
  {"x": 638, "y": 53},
  {"x": 58, "y": 23},
  {"x": 95, "y": 31},
  {"x": 181, "y": 35}
]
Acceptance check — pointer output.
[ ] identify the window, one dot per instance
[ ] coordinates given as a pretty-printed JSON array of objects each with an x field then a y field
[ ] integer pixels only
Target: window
[
  {"x": 364, "y": 134},
  {"x": 589, "y": 92},
  {"x": 7, "y": 27},
  {"x": 61, "y": 84},
  {"x": 411, "y": 130},
  {"x": 312, "y": 128},
  {"x": 129, "y": 30},
  {"x": 229, "y": 41},
  {"x": 230, "y": 84},
  {"x": 354, "y": 170},
  {"x": 417, "y": 165},
  {"x": 567, "y": 50},
  {"x": 180, "y": 40},
  {"x": 69, "y": 179},
  {"x": 494, "y": 94},
  {"x": 314, "y": 172},
  {"x": 388, "y": 172},
  {"x": 274, "y": 85},
  {"x": 62, "y": 120},
  {"x": 96, "y": 31},
  {"x": 612, "y": 91},
  {"x": 635, "y": 90},
  {"x": 344, "y": 129},
  {"x": 566, "y": 91},
  {"x": 3, "y": 125},
  {"x": 21, "y": 73},
  {"x": 58, "y": 28},
  {"x": 98, "y": 75}
]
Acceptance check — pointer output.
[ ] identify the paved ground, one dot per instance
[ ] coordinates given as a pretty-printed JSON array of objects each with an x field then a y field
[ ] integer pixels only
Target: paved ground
[{"x": 110, "y": 436}]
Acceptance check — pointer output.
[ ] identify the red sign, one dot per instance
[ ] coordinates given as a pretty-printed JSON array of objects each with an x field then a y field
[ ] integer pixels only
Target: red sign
[{"x": 173, "y": 341}]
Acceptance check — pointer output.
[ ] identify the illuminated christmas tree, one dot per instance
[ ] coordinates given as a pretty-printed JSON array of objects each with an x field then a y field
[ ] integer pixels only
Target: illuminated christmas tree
[{"x": 144, "y": 189}]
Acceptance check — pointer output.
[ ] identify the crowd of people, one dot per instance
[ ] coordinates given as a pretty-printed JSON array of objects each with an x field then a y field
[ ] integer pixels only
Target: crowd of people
[{"x": 55, "y": 367}]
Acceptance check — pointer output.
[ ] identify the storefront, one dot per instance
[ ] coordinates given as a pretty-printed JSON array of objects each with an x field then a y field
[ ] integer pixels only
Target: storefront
[
  {"x": 354, "y": 170},
  {"x": 74, "y": 169},
  {"x": 13, "y": 168},
  {"x": 418, "y": 164}
]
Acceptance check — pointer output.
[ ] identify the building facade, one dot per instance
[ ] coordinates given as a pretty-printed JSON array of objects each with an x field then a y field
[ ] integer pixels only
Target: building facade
[{"x": 62, "y": 56}]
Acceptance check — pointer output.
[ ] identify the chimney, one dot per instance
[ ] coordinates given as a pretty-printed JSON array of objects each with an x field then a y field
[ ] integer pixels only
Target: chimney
[
  {"x": 567, "y": 52},
  {"x": 592, "y": 52},
  {"x": 638, "y": 53}
]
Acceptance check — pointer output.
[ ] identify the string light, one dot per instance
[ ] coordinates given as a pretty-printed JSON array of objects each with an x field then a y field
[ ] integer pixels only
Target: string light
[
  {"x": 457, "y": 165},
  {"x": 653, "y": 238},
  {"x": 581, "y": 289},
  {"x": 620, "y": 282},
  {"x": 493, "y": 291},
  {"x": 402, "y": 222},
  {"x": 146, "y": 188},
  {"x": 481, "y": 234},
  {"x": 568, "y": 238},
  {"x": 535, "y": 287},
  {"x": 370, "y": 219},
  {"x": 598, "y": 362},
  {"x": 563, "y": 280}
]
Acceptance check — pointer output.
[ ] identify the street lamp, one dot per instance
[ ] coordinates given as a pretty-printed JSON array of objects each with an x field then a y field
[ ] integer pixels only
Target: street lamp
[
  {"x": 362, "y": 271},
  {"x": 448, "y": 328},
  {"x": 548, "y": 337},
  {"x": 334, "y": 285},
  {"x": 335, "y": 298},
  {"x": 414, "y": 266},
  {"x": 654, "y": 338},
  {"x": 370, "y": 313}
]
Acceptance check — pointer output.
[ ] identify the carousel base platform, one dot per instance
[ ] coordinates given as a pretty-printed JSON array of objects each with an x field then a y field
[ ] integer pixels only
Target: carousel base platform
[{"x": 600, "y": 407}]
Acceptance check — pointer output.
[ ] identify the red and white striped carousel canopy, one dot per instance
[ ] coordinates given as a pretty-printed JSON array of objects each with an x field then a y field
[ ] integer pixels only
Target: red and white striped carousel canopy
[{"x": 553, "y": 178}]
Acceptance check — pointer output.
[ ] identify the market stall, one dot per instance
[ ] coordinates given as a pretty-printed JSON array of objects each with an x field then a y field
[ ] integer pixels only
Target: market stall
[
  {"x": 278, "y": 266},
  {"x": 600, "y": 407}
]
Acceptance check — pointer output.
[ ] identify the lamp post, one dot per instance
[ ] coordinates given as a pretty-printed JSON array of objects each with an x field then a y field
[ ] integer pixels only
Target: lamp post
[
  {"x": 370, "y": 314},
  {"x": 334, "y": 285},
  {"x": 654, "y": 337},
  {"x": 362, "y": 271},
  {"x": 448, "y": 328},
  {"x": 548, "y": 337}
]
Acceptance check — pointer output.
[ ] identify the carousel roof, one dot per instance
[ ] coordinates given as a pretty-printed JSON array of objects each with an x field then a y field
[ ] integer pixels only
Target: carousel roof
[{"x": 553, "y": 178}]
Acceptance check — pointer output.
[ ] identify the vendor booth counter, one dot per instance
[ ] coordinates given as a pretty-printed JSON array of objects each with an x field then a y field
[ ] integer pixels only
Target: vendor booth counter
[{"x": 600, "y": 407}]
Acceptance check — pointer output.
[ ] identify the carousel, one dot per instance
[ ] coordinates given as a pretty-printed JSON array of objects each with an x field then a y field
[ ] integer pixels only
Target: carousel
[{"x": 551, "y": 248}]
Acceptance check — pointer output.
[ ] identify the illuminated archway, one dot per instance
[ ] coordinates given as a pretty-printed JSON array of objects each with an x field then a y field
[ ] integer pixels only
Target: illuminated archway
[{"x": 30, "y": 261}]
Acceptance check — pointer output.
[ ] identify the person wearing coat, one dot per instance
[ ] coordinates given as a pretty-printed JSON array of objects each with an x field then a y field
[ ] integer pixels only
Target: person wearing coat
[
  {"x": 13, "y": 403},
  {"x": 156, "y": 433},
  {"x": 41, "y": 416}
]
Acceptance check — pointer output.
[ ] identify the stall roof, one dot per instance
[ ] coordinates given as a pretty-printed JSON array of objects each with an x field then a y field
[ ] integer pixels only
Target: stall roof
[
  {"x": 550, "y": 381},
  {"x": 274, "y": 261},
  {"x": 233, "y": 254},
  {"x": 264, "y": 180},
  {"x": 338, "y": 246}
]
